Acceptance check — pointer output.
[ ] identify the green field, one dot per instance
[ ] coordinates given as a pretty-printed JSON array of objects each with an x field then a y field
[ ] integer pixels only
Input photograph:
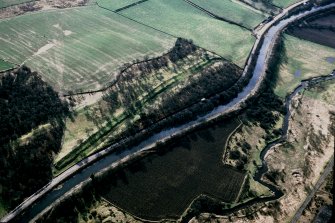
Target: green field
[
  {"x": 181, "y": 19},
  {"x": 284, "y": 3},
  {"x": 233, "y": 10},
  {"x": 78, "y": 48},
  {"x": 5, "y": 65},
  {"x": 6, "y": 3},
  {"x": 303, "y": 59},
  {"x": 115, "y": 4}
]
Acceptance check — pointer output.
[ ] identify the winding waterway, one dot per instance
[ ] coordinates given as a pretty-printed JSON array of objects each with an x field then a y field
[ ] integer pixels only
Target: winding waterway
[{"x": 49, "y": 196}]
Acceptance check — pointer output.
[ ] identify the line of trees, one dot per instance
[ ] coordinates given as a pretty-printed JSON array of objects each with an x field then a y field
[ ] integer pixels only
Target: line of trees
[{"x": 27, "y": 102}]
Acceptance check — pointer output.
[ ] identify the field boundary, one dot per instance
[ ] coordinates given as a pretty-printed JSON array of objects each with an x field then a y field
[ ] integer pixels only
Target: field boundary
[
  {"x": 131, "y": 5},
  {"x": 213, "y": 15}
]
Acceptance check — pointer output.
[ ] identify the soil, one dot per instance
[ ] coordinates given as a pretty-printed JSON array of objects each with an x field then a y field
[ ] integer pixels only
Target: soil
[{"x": 20, "y": 9}]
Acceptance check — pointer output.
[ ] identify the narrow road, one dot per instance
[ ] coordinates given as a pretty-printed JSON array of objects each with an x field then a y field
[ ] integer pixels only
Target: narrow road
[
  {"x": 46, "y": 196},
  {"x": 322, "y": 178}
]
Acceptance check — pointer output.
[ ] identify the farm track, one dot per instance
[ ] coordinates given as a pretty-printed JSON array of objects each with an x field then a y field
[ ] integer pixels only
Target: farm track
[{"x": 113, "y": 160}]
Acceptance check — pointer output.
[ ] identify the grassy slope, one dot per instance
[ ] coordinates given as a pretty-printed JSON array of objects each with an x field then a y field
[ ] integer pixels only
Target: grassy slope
[
  {"x": 308, "y": 57},
  {"x": 180, "y": 19},
  {"x": 6, "y": 3},
  {"x": 89, "y": 56},
  {"x": 237, "y": 12}
]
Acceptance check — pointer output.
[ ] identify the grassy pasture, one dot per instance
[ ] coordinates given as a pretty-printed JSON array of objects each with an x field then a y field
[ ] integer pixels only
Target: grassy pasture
[
  {"x": 78, "y": 57},
  {"x": 284, "y": 3},
  {"x": 6, "y": 3},
  {"x": 233, "y": 10},
  {"x": 115, "y": 4},
  {"x": 5, "y": 65},
  {"x": 181, "y": 19},
  {"x": 303, "y": 59}
]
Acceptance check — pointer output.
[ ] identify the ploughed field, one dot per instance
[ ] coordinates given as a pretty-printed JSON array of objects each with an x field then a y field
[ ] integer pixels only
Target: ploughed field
[
  {"x": 319, "y": 30},
  {"x": 163, "y": 185}
]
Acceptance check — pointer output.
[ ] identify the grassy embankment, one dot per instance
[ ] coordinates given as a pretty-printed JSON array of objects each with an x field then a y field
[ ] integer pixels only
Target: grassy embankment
[
  {"x": 234, "y": 11},
  {"x": 72, "y": 57}
]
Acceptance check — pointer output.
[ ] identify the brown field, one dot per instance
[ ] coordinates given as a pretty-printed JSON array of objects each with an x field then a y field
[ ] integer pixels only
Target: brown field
[
  {"x": 163, "y": 185},
  {"x": 327, "y": 20},
  {"x": 323, "y": 37}
]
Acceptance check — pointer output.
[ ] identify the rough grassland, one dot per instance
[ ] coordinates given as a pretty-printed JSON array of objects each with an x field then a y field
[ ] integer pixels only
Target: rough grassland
[
  {"x": 233, "y": 10},
  {"x": 303, "y": 59},
  {"x": 78, "y": 48},
  {"x": 6, "y": 3},
  {"x": 181, "y": 19}
]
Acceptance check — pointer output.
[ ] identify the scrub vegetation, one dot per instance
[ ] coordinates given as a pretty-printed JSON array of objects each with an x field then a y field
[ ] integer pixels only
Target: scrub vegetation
[{"x": 144, "y": 96}]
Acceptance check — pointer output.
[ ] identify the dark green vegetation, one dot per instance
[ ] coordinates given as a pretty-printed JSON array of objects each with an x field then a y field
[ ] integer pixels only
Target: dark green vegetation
[
  {"x": 319, "y": 29},
  {"x": 163, "y": 184},
  {"x": 264, "y": 109},
  {"x": 145, "y": 94},
  {"x": 31, "y": 131}
]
